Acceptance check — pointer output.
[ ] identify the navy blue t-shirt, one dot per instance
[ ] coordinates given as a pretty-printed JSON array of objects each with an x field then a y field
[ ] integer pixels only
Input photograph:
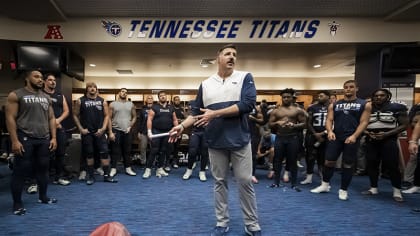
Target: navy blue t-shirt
[
  {"x": 319, "y": 116},
  {"x": 163, "y": 119},
  {"x": 347, "y": 116}
]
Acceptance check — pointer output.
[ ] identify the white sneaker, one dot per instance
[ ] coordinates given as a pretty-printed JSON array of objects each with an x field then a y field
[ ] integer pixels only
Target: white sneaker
[
  {"x": 371, "y": 191},
  {"x": 397, "y": 195},
  {"x": 286, "y": 177},
  {"x": 343, "y": 195},
  {"x": 167, "y": 169},
  {"x": 100, "y": 171},
  {"x": 323, "y": 188},
  {"x": 82, "y": 175},
  {"x": 147, "y": 173},
  {"x": 202, "y": 176},
  {"x": 130, "y": 171},
  {"x": 414, "y": 189},
  {"x": 113, "y": 172},
  {"x": 62, "y": 181},
  {"x": 187, "y": 174},
  {"x": 308, "y": 179},
  {"x": 32, "y": 189},
  {"x": 161, "y": 173},
  {"x": 299, "y": 165}
]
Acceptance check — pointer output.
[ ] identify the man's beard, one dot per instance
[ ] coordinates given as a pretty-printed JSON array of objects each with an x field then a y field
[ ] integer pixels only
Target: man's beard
[{"x": 35, "y": 86}]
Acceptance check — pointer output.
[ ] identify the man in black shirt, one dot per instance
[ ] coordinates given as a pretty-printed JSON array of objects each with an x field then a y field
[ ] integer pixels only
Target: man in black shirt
[
  {"x": 160, "y": 119},
  {"x": 346, "y": 120},
  {"x": 316, "y": 135},
  {"x": 386, "y": 121},
  {"x": 90, "y": 114},
  {"x": 61, "y": 112}
]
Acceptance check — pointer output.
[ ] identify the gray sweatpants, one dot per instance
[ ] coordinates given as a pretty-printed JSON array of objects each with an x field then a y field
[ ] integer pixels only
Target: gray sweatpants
[{"x": 242, "y": 168}]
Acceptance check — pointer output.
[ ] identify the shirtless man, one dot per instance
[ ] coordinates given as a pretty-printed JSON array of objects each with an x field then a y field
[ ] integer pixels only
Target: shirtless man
[{"x": 287, "y": 121}]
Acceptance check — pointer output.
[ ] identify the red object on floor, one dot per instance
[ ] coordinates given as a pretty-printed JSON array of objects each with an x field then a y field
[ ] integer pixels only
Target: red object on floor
[{"x": 111, "y": 229}]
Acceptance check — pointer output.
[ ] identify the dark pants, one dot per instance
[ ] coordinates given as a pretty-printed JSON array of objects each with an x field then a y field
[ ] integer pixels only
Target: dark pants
[
  {"x": 174, "y": 149},
  {"x": 198, "y": 145},
  {"x": 314, "y": 154},
  {"x": 121, "y": 147},
  {"x": 387, "y": 152},
  {"x": 286, "y": 147},
  {"x": 58, "y": 155},
  {"x": 35, "y": 158},
  {"x": 255, "y": 140},
  {"x": 5, "y": 144},
  {"x": 160, "y": 147}
]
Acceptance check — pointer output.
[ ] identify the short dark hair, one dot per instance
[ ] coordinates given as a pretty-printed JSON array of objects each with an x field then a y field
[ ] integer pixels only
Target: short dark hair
[
  {"x": 288, "y": 90},
  {"x": 160, "y": 92},
  {"x": 24, "y": 74},
  {"x": 231, "y": 45},
  {"x": 386, "y": 91},
  {"x": 326, "y": 92},
  {"x": 49, "y": 74}
]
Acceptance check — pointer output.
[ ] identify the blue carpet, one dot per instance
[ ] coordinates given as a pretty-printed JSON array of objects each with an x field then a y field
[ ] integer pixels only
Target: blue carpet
[{"x": 172, "y": 206}]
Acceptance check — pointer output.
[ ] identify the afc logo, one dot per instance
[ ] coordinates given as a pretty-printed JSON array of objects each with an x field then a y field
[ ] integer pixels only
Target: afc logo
[
  {"x": 112, "y": 28},
  {"x": 53, "y": 32}
]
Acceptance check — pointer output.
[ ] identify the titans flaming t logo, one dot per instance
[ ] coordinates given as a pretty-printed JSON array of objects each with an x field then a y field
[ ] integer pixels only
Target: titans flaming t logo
[
  {"x": 333, "y": 28},
  {"x": 113, "y": 28}
]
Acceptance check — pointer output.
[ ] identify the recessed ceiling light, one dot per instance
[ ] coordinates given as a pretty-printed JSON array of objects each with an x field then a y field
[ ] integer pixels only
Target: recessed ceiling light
[
  {"x": 206, "y": 62},
  {"x": 317, "y": 66},
  {"x": 92, "y": 65}
]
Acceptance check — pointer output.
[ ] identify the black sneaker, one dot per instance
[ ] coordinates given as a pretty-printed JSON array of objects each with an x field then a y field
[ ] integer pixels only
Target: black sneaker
[
  {"x": 415, "y": 210},
  {"x": 296, "y": 188},
  {"x": 252, "y": 233},
  {"x": 406, "y": 185},
  {"x": 90, "y": 180},
  {"x": 19, "y": 211},
  {"x": 219, "y": 231},
  {"x": 110, "y": 179},
  {"x": 273, "y": 186},
  {"x": 48, "y": 201}
]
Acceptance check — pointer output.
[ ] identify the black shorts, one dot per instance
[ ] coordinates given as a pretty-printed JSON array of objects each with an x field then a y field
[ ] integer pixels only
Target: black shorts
[
  {"x": 336, "y": 147},
  {"x": 92, "y": 144}
]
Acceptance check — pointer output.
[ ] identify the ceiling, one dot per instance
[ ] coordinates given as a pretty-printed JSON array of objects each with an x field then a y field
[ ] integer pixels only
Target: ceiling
[{"x": 178, "y": 60}]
